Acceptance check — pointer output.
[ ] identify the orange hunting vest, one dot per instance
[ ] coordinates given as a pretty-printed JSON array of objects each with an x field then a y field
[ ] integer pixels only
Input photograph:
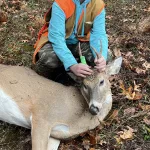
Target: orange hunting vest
[{"x": 94, "y": 7}]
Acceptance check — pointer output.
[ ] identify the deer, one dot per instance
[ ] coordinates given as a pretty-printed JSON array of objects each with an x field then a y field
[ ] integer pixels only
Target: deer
[{"x": 53, "y": 111}]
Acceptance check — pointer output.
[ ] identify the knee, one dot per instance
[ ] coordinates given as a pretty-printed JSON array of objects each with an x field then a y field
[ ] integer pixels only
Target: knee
[{"x": 49, "y": 59}]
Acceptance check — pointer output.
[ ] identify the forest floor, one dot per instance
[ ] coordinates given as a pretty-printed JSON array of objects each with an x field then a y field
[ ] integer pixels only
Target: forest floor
[{"x": 127, "y": 127}]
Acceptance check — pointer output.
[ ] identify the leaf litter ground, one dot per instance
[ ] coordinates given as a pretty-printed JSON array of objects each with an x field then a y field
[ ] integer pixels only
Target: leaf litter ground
[{"x": 127, "y": 127}]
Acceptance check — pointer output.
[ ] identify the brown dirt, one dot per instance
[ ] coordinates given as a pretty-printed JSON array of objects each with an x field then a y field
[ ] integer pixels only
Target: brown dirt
[{"x": 128, "y": 28}]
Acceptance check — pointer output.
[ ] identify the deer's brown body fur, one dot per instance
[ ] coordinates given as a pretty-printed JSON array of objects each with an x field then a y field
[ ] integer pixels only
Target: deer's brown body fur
[
  {"x": 53, "y": 111},
  {"x": 47, "y": 101}
]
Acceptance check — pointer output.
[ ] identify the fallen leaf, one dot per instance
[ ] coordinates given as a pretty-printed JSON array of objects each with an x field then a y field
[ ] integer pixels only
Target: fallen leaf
[
  {"x": 131, "y": 93},
  {"x": 119, "y": 140},
  {"x": 23, "y": 5},
  {"x": 86, "y": 144},
  {"x": 144, "y": 25},
  {"x": 138, "y": 148},
  {"x": 147, "y": 121},
  {"x": 109, "y": 17},
  {"x": 140, "y": 71},
  {"x": 92, "y": 139},
  {"x": 127, "y": 64},
  {"x": 98, "y": 139},
  {"x": 148, "y": 9},
  {"x": 125, "y": 20},
  {"x": 126, "y": 133},
  {"x": 1, "y": 2},
  {"x": 136, "y": 86},
  {"x": 129, "y": 54},
  {"x": 102, "y": 142},
  {"x": 146, "y": 65},
  {"x": 92, "y": 148},
  {"x": 117, "y": 52},
  {"x": 113, "y": 116},
  {"x": 144, "y": 107},
  {"x": 137, "y": 96},
  {"x": 129, "y": 111},
  {"x": 3, "y": 17},
  {"x": 2, "y": 29},
  {"x": 128, "y": 93}
]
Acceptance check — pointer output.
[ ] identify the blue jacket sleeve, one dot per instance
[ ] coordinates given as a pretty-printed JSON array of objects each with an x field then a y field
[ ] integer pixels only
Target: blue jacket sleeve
[
  {"x": 57, "y": 37},
  {"x": 98, "y": 33}
]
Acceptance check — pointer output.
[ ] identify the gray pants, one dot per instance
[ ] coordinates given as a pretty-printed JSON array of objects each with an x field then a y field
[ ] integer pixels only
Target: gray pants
[{"x": 48, "y": 62}]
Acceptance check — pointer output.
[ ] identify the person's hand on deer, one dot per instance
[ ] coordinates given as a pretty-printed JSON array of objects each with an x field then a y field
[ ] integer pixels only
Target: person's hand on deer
[{"x": 81, "y": 70}]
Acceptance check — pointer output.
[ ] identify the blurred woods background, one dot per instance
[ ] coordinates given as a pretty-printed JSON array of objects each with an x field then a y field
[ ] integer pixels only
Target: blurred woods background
[{"x": 127, "y": 127}]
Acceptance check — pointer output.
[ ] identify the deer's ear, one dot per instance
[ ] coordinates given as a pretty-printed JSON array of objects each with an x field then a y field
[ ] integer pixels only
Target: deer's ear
[
  {"x": 75, "y": 78},
  {"x": 114, "y": 66}
]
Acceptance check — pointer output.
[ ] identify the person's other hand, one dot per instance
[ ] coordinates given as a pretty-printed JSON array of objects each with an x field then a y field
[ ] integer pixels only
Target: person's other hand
[
  {"x": 81, "y": 70},
  {"x": 100, "y": 64}
]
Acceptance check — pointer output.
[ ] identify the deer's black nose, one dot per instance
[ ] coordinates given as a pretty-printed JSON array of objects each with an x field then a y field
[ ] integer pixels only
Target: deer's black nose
[{"x": 94, "y": 110}]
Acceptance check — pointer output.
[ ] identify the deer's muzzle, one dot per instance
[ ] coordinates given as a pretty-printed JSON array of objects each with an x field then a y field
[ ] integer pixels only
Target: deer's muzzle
[{"x": 94, "y": 110}]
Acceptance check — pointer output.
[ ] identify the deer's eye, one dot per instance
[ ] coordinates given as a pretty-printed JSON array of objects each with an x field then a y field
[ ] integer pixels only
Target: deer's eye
[{"x": 101, "y": 82}]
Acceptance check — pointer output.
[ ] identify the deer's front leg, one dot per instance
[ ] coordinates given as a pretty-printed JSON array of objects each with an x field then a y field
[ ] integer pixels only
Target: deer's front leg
[{"x": 40, "y": 134}]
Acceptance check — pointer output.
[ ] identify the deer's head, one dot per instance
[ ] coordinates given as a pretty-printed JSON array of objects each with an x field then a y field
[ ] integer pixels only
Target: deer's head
[{"x": 96, "y": 87}]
